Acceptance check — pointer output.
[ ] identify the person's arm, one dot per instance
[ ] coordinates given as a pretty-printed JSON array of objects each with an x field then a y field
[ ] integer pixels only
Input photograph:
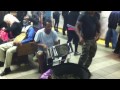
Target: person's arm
[
  {"x": 55, "y": 38},
  {"x": 13, "y": 27},
  {"x": 30, "y": 36},
  {"x": 79, "y": 26},
  {"x": 78, "y": 31},
  {"x": 42, "y": 46},
  {"x": 37, "y": 39},
  {"x": 98, "y": 31}
]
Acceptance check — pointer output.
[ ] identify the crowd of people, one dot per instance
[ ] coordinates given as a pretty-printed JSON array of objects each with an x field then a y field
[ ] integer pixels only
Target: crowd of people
[{"x": 83, "y": 27}]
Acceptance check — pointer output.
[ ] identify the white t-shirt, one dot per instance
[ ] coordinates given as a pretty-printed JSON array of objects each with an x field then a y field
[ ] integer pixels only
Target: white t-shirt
[{"x": 43, "y": 38}]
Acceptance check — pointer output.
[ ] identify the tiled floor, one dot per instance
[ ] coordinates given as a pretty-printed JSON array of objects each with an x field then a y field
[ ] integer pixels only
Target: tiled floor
[{"x": 105, "y": 65}]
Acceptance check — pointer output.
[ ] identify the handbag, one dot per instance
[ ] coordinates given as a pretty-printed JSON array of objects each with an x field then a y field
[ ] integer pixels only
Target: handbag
[
  {"x": 118, "y": 29},
  {"x": 4, "y": 35}
]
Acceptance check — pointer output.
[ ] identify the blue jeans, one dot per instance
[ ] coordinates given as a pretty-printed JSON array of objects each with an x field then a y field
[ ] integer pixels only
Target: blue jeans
[{"x": 111, "y": 36}]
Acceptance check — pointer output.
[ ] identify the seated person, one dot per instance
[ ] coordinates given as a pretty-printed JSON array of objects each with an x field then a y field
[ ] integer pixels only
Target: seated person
[
  {"x": 8, "y": 49},
  {"x": 13, "y": 25},
  {"x": 45, "y": 38}
]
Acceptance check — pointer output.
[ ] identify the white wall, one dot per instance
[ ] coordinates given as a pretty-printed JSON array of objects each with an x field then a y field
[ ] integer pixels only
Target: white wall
[{"x": 104, "y": 23}]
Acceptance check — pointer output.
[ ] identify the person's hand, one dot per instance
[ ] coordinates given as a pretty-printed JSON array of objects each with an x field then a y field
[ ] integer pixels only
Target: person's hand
[
  {"x": 81, "y": 40},
  {"x": 44, "y": 46},
  {"x": 96, "y": 38},
  {"x": 17, "y": 44},
  {"x": 3, "y": 28}
]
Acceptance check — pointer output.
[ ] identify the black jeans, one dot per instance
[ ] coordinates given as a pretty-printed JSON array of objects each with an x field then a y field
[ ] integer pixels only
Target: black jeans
[
  {"x": 56, "y": 25},
  {"x": 73, "y": 36},
  {"x": 65, "y": 25}
]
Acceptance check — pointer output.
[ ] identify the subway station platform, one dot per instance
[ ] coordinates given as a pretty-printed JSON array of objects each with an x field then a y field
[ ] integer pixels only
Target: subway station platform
[{"x": 105, "y": 65}]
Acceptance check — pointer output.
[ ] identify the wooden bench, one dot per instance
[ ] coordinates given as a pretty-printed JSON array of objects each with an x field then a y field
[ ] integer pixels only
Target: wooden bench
[{"x": 21, "y": 55}]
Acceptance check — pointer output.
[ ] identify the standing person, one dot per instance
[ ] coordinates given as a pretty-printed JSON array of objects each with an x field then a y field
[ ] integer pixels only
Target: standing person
[
  {"x": 56, "y": 16},
  {"x": 65, "y": 17},
  {"x": 111, "y": 34},
  {"x": 72, "y": 19},
  {"x": 88, "y": 30}
]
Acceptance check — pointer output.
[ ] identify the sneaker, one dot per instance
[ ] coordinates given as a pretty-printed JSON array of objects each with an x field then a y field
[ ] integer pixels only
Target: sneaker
[
  {"x": 5, "y": 72},
  {"x": 76, "y": 53}
]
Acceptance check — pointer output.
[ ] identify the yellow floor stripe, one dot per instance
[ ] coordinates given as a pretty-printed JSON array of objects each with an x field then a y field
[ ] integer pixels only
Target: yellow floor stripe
[{"x": 100, "y": 41}]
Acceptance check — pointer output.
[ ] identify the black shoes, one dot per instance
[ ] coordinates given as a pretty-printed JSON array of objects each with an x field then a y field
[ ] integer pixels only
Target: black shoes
[
  {"x": 5, "y": 72},
  {"x": 106, "y": 46},
  {"x": 64, "y": 33},
  {"x": 116, "y": 52},
  {"x": 76, "y": 53},
  {"x": 1, "y": 64}
]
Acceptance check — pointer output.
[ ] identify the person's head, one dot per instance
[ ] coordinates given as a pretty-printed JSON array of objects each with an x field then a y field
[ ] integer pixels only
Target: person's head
[
  {"x": 26, "y": 21},
  {"x": 48, "y": 26},
  {"x": 91, "y": 12},
  {"x": 10, "y": 19}
]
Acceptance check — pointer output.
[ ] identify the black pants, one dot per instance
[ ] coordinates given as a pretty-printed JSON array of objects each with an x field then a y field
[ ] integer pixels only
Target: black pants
[
  {"x": 73, "y": 36},
  {"x": 56, "y": 24},
  {"x": 65, "y": 25}
]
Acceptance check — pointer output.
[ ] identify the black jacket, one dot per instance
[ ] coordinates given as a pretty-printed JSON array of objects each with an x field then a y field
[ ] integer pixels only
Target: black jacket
[
  {"x": 21, "y": 15},
  {"x": 15, "y": 29},
  {"x": 72, "y": 17}
]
